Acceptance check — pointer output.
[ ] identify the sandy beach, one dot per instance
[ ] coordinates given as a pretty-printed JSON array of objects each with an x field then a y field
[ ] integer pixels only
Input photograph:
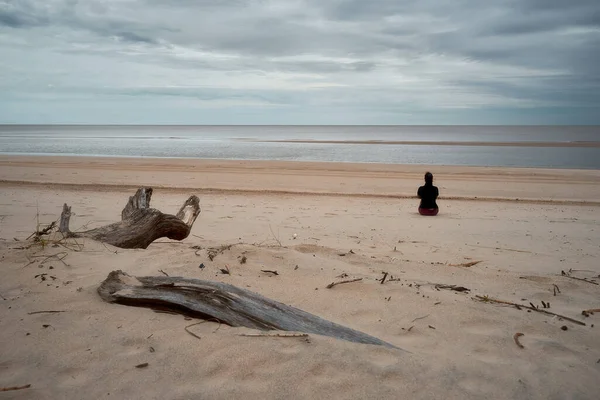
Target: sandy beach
[{"x": 505, "y": 233}]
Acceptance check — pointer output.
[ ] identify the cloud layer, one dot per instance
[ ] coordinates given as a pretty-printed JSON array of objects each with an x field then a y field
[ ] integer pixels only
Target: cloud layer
[{"x": 300, "y": 61}]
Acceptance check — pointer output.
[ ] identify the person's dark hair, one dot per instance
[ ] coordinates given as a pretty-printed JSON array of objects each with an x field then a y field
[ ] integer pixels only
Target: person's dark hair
[{"x": 429, "y": 178}]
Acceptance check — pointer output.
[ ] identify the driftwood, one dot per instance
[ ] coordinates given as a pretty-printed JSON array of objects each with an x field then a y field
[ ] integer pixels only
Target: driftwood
[
  {"x": 11, "y": 388},
  {"x": 223, "y": 302},
  {"x": 580, "y": 279},
  {"x": 486, "y": 299},
  {"x": 140, "y": 225},
  {"x": 332, "y": 284},
  {"x": 456, "y": 288}
]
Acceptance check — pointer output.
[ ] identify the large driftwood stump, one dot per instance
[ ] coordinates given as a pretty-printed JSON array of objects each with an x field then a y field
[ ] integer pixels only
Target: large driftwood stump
[
  {"x": 140, "y": 225},
  {"x": 223, "y": 302}
]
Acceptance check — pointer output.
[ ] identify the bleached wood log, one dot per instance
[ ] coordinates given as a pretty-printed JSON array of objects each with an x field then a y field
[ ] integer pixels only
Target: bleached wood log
[
  {"x": 140, "y": 225},
  {"x": 226, "y": 303}
]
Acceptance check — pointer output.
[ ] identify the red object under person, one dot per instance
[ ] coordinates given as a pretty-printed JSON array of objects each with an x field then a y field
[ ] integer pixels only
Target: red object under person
[{"x": 428, "y": 211}]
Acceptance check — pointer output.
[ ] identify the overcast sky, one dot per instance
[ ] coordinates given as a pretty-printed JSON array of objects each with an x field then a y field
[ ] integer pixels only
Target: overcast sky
[{"x": 300, "y": 62}]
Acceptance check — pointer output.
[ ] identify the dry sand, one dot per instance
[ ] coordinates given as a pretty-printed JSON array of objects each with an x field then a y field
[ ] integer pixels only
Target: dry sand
[{"x": 456, "y": 347}]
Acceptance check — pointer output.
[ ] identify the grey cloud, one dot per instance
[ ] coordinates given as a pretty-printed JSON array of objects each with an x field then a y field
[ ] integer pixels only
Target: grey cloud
[
  {"x": 384, "y": 52},
  {"x": 20, "y": 15},
  {"x": 134, "y": 37}
]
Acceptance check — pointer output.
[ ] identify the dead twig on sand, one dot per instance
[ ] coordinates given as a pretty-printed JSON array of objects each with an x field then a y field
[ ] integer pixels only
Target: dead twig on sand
[
  {"x": 500, "y": 248},
  {"x": 332, "y": 284},
  {"x": 556, "y": 289},
  {"x": 225, "y": 270},
  {"x": 215, "y": 251},
  {"x": 456, "y": 288},
  {"x": 192, "y": 333},
  {"x": 268, "y": 271},
  {"x": 418, "y": 318},
  {"x": 201, "y": 322},
  {"x": 516, "y": 338},
  {"x": 587, "y": 313},
  {"x": 10, "y": 388},
  {"x": 46, "y": 231},
  {"x": 486, "y": 299},
  {"x": 277, "y": 335},
  {"x": 466, "y": 264},
  {"x": 385, "y": 274},
  {"x": 163, "y": 272},
  {"x": 59, "y": 256},
  {"x": 275, "y": 237},
  {"x": 45, "y": 312},
  {"x": 567, "y": 275}
]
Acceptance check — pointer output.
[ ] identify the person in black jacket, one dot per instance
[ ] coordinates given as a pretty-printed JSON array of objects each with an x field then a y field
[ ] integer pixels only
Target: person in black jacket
[{"x": 428, "y": 195}]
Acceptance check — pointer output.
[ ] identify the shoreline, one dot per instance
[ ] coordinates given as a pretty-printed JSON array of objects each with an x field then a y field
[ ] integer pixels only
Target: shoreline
[
  {"x": 538, "y": 185},
  {"x": 430, "y": 143},
  {"x": 307, "y": 162}
]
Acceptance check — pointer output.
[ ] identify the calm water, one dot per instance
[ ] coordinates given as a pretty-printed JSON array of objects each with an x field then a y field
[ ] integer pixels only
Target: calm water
[{"x": 223, "y": 142}]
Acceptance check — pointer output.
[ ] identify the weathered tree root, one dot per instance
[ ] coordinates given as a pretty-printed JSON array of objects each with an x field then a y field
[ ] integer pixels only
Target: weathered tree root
[
  {"x": 140, "y": 225},
  {"x": 226, "y": 303}
]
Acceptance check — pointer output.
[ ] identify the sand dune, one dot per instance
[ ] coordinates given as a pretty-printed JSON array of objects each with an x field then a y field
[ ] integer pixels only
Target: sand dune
[{"x": 459, "y": 347}]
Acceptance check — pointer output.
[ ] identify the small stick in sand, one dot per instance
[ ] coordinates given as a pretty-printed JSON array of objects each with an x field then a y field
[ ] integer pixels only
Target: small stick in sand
[
  {"x": 587, "y": 313},
  {"x": 439, "y": 286},
  {"x": 385, "y": 274},
  {"x": 192, "y": 333},
  {"x": 44, "y": 312},
  {"x": 44, "y": 231},
  {"x": 59, "y": 256},
  {"x": 556, "y": 289},
  {"x": 332, "y": 284},
  {"x": 163, "y": 272},
  {"x": 568, "y": 275},
  {"x": 516, "y": 338},
  {"x": 467, "y": 264},
  {"x": 486, "y": 299},
  {"x": 275, "y": 237},
  {"x": 418, "y": 318},
  {"x": 578, "y": 279},
  {"x": 225, "y": 270},
  {"x": 8, "y": 389},
  {"x": 268, "y": 271},
  {"x": 280, "y": 335},
  {"x": 546, "y": 304}
]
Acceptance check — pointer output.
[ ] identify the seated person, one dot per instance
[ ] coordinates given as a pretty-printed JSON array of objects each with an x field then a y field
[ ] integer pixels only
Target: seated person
[{"x": 428, "y": 194}]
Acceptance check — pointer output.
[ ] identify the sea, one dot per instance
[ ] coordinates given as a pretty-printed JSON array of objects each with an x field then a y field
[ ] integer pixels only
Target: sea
[{"x": 571, "y": 147}]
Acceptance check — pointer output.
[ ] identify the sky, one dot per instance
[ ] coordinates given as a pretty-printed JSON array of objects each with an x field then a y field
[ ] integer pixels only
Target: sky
[{"x": 300, "y": 62}]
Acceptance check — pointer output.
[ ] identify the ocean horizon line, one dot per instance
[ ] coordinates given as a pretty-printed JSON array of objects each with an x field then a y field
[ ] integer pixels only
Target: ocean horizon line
[{"x": 297, "y": 125}]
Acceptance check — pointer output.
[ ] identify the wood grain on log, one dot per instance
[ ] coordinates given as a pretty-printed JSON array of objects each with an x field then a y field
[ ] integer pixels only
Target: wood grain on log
[
  {"x": 226, "y": 303},
  {"x": 140, "y": 225}
]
